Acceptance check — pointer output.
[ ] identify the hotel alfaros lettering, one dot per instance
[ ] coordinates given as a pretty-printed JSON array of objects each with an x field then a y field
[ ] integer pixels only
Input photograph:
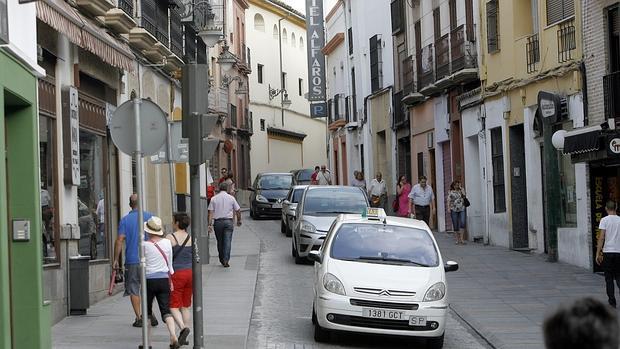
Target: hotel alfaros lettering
[{"x": 316, "y": 42}]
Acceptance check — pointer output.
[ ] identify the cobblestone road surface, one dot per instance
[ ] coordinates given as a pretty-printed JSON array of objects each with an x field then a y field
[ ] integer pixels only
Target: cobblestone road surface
[{"x": 283, "y": 302}]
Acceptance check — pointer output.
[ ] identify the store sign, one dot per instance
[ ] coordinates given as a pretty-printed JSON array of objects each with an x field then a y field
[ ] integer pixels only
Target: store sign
[
  {"x": 613, "y": 146},
  {"x": 547, "y": 108},
  {"x": 318, "y": 110},
  {"x": 604, "y": 186},
  {"x": 71, "y": 136},
  {"x": 315, "y": 27}
]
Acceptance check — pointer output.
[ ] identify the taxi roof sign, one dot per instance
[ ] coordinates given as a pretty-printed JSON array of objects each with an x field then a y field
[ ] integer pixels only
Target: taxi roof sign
[{"x": 375, "y": 213}]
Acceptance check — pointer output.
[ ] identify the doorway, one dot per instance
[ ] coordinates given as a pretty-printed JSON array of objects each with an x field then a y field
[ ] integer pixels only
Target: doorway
[
  {"x": 518, "y": 188},
  {"x": 431, "y": 179}
]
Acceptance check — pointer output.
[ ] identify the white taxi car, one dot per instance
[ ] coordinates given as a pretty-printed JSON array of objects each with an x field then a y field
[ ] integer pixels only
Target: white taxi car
[{"x": 380, "y": 275}]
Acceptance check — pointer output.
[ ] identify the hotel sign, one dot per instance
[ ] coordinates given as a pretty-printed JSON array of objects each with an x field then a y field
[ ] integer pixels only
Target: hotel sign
[{"x": 315, "y": 31}]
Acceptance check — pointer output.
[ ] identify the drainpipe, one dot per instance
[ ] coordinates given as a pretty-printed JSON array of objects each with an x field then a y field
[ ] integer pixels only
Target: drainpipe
[
  {"x": 584, "y": 91},
  {"x": 281, "y": 80},
  {"x": 485, "y": 176}
]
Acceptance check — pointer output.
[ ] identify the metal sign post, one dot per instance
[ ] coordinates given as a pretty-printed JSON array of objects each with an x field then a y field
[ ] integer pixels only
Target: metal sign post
[{"x": 139, "y": 127}]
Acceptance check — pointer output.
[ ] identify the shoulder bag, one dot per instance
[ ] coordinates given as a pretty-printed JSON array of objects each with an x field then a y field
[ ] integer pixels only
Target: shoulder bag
[{"x": 168, "y": 265}]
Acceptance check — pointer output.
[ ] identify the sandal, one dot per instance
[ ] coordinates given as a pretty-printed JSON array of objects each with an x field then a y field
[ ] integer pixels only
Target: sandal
[{"x": 183, "y": 336}]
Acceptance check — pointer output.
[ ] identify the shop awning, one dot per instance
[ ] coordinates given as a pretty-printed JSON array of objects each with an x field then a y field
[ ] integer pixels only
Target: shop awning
[
  {"x": 83, "y": 32},
  {"x": 582, "y": 142}
]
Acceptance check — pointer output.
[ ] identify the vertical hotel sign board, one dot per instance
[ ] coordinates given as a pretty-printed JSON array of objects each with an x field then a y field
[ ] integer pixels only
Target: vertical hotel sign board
[
  {"x": 71, "y": 136},
  {"x": 315, "y": 31}
]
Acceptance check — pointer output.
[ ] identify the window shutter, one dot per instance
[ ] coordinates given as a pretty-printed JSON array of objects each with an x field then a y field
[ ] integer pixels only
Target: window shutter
[
  {"x": 397, "y": 16},
  {"x": 374, "y": 63},
  {"x": 492, "y": 26},
  {"x": 558, "y": 10},
  {"x": 452, "y": 5},
  {"x": 437, "y": 23}
]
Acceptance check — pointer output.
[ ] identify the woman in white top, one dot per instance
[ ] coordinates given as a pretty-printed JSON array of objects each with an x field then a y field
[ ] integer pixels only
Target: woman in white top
[{"x": 158, "y": 255}]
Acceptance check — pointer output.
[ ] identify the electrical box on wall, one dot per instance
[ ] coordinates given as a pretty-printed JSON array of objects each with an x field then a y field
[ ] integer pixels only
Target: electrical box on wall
[{"x": 21, "y": 230}]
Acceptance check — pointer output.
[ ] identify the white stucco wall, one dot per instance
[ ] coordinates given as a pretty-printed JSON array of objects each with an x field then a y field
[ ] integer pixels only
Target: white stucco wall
[
  {"x": 533, "y": 161},
  {"x": 23, "y": 33},
  {"x": 265, "y": 50},
  {"x": 473, "y": 155},
  {"x": 441, "y": 135}
]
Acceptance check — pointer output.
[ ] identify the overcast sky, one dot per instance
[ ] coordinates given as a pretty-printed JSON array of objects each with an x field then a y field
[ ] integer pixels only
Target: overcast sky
[{"x": 300, "y": 5}]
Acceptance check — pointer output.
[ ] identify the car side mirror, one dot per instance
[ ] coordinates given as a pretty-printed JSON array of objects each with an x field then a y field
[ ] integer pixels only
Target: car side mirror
[
  {"x": 451, "y": 266},
  {"x": 315, "y": 256}
]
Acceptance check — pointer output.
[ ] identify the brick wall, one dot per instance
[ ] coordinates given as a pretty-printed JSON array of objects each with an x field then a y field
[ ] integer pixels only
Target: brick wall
[{"x": 595, "y": 55}]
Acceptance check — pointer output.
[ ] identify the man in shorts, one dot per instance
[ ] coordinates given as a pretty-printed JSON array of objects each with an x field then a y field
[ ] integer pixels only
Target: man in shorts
[{"x": 129, "y": 233}]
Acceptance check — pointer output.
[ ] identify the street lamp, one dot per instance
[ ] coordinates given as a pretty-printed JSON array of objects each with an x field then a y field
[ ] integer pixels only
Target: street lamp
[{"x": 273, "y": 93}]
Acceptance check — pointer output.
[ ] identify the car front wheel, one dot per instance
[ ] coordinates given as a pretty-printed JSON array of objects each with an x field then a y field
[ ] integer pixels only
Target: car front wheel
[{"x": 435, "y": 343}]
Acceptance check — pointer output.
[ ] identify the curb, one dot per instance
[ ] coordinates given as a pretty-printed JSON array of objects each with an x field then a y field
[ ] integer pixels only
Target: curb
[
  {"x": 486, "y": 335},
  {"x": 247, "y": 335}
]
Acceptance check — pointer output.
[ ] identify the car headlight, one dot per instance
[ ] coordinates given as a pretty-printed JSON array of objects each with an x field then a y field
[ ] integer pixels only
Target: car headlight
[
  {"x": 261, "y": 198},
  {"x": 332, "y": 284},
  {"x": 435, "y": 292},
  {"x": 307, "y": 227}
]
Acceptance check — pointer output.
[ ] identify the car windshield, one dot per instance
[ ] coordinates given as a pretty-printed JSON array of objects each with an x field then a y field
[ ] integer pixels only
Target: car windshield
[
  {"x": 304, "y": 175},
  {"x": 378, "y": 243},
  {"x": 334, "y": 201},
  {"x": 271, "y": 182},
  {"x": 297, "y": 195}
]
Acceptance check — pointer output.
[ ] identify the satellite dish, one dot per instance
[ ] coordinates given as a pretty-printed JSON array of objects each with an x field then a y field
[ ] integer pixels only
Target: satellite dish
[{"x": 153, "y": 127}]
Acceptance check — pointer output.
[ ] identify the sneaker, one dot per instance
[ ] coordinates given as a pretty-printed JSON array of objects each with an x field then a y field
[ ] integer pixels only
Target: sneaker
[
  {"x": 154, "y": 322},
  {"x": 137, "y": 323},
  {"x": 183, "y": 336}
]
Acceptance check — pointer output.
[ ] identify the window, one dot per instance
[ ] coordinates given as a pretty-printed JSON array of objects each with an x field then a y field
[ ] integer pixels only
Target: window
[
  {"x": 353, "y": 89},
  {"x": 330, "y": 112},
  {"x": 301, "y": 84},
  {"x": 92, "y": 201},
  {"x": 437, "y": 23},
  {"x": 398, "y": 16},
  {"x": 452, "y": 5},
  {"x": 48, "y": 190},
  {"x": 284, "y": 36},
  {"x": 283, "y": 80},
  {"x": 262, "y": 124},
  {"x": 420, "y": 165},
  {"x": 276, "y": 32},
  {"x": 259, "y": 74},
  {"x": 301, "y": 42},
  {"x": 613, "y": 34},
  {"x": 567, "y": 188},
  {"x": 497, "y": 161},
  {"x": 233, "y": 116},
  {"x": 293, "y": 40},
  {"x": 350, "y": 35},
  {"x": 492, "y": 26},
  {"x": 375, "y": 63},
  {"x": 259, "y": 22},
  {"x": 558, "y": 10}
]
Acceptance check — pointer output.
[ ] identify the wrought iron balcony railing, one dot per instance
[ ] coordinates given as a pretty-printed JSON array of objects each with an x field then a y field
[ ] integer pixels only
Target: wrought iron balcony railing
[
  {"x": 127, "y": 6},
  {"x": 566, "y": 41},
  {"x": 442, "y": 57},
  {"x": 408, "y": 76},
  {"x": 611, "y": 91},
  {"x": 532, "y": 51},
  {"x": 425, "y": 63},
  {"x": 463, "y": 48}
]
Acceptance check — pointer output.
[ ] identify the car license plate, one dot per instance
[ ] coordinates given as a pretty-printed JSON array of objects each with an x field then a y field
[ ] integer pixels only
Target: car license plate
[
  {"x": 276, "y": 205},
  {"x": 383, "y": 314},
  {"x": 417, "y": 320}
]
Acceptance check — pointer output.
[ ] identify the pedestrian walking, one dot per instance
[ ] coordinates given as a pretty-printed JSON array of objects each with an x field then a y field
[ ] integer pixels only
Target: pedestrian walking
[
  {"x": 377, "y": 191},
  {"x": 223, "y": 175},
  {"x": 358, "y": 180},
  {"x": 222, "y": 209},
  {"x": 232, "y": 188},
  {"x": 456, "y": 207},
  {"x": 129, "y": 233},
  {"x": 421, "y": 199},
  {"x": 608, "y": 250},
  {"x": 586, "y": 323},
  {"x": 313, "y": 179},
  {"x": 324, "y": 177},
  {"x": 159, "y": 271},
  {"x": 181, "y": 296},
  {"x": 403, "y": 188}
]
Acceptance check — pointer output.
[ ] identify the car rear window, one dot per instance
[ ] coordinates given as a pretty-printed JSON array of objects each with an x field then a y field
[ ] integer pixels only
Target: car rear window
[
  {"x": 334, "y": 201},
  {"x": 304, "y": 175},
  {"x": 378, "y": 243},
  {"x": 274, "y": 182}
]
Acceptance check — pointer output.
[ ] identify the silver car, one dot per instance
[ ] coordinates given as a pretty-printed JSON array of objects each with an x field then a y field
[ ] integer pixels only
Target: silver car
[
  {"x": 318, "y": 209},
  {"x": 289, "y": 206}
]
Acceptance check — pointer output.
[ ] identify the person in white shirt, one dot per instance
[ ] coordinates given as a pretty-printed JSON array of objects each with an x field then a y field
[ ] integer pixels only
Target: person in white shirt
[
  {"x": 324, "y": 177},
  {"x": 608, "y": 250},
  {"x": 222, "y": 208},
  {"x": 101, "y": 218},
  {"x": 377, "y": 191},
  {"x": 358, "y": 180},
  {"x": 159, "y": 270},
  {"x": 421, "y": 199}
]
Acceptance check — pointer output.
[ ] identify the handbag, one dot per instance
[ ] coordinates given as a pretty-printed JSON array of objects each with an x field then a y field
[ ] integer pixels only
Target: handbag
[
  {"x": 466, "y": 202},
  {"x": 168, "y": 265},
  {"x": 375, "y": 200}
]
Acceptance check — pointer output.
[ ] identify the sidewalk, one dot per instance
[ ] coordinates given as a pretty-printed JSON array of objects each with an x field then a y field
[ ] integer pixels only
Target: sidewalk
[
  {"x": 504, "y": 295},
  {"x": 228, "y": 301}
]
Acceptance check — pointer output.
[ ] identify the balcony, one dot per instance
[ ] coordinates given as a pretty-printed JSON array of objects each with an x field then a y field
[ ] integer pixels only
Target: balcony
[
  {"x": 532, "y": 53},
  {"x": 463, "y": 54},
  {"x": 120, "y": 19},
  {"x": 176, "y": 33},
  {"x": 566, "y": 41},
  {"x": 400, "y": 115},
  {"x": 95, "y": 7},
  {"x": 442, "y": 59},
  {"x": 141, "y": 38},
  {"x": 426, "y": 72},
  {"x": 410, "y": 95},
  {"x": 611, "y": 90},
  {"x": 244, "y": 60}
]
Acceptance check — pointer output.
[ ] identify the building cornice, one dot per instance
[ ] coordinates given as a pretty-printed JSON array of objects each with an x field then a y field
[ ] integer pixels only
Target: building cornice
[
  {"x": 280, "y": 9},
  {"x": 333, "y": 44},
  {"x": 332, "y": 12},
  {"x": 244, "y": 3}
]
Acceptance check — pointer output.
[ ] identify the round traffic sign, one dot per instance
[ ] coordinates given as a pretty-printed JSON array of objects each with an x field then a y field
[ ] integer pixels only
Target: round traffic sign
[{"x": 153, "y": 127}]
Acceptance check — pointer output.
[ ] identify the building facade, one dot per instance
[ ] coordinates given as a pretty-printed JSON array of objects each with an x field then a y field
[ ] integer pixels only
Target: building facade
[
  {"x": 435, "y": 60},
  {"x": 24, "y": 315},
  {"x": 284, "y": 136}
]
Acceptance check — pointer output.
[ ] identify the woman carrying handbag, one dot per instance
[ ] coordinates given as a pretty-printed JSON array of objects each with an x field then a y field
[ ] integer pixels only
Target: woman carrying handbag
[{"x": 456, "y": 204}]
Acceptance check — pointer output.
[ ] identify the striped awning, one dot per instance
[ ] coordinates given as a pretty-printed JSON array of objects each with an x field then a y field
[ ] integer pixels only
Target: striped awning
[
  {"x": 583, "y": 142},
  {"x": 83, "y": 32}
]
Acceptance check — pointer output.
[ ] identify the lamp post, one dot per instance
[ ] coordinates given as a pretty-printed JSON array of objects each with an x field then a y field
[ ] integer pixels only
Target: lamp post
[{"x": 273, "y": 93}]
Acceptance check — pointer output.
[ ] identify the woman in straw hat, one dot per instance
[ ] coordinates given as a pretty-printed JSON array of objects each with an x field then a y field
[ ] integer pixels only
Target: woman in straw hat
[{"x": 158, "y": 255}]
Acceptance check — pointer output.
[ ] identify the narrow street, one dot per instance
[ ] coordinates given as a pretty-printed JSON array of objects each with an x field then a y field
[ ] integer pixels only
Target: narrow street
[{"x": 281, "y": 317}]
